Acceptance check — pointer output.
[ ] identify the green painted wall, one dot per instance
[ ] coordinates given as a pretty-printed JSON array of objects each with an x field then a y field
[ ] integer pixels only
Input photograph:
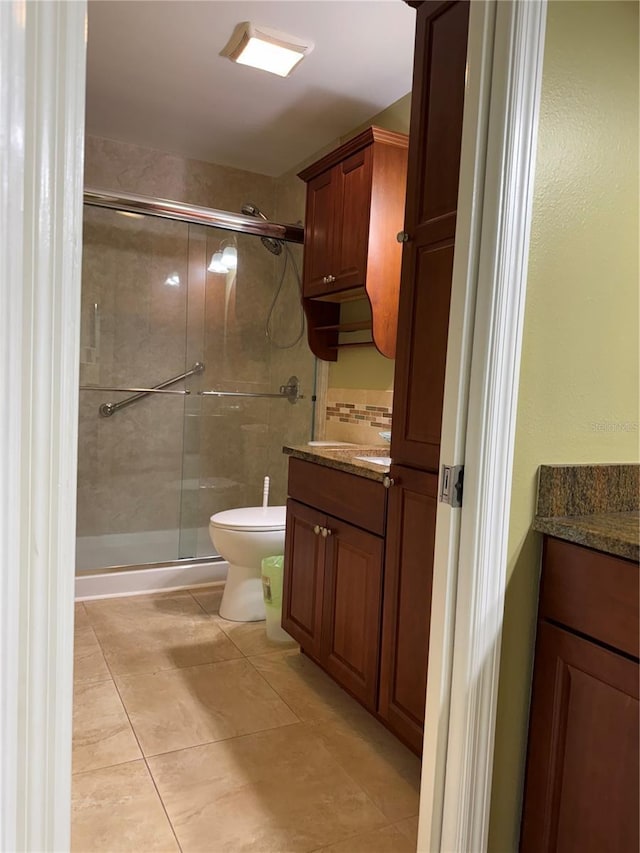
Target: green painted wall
[{"x": 578, "y": 399}]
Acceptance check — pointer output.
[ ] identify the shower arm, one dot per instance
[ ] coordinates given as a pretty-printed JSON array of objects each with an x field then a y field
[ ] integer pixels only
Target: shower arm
[
  {"x": 290, "y": 392},
  {"x": 108, "y": 409}
]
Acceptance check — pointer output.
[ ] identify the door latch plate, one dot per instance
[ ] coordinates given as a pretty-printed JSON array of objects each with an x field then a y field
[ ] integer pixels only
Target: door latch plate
[{"x": 451, "y": 484}]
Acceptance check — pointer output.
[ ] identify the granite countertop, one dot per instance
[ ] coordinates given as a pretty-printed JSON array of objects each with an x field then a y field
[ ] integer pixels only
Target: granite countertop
[
  {"x": 592, "y": 505},
  {"x": 613, "y": 532},
  {"x": 344, "y": 458}
]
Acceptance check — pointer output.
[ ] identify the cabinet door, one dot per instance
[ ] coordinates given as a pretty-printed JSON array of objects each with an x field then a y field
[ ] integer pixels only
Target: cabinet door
[
  {"x": 303, "y": 577},
  {"x": 319, "y": 232},
  {"x": 352, "y": 602},
  {"x": 430, "y": 220},
  {"x": 406, "y": 616},
  {"x": 353, "y": 206},
  {"x": 581, "y": 791}
]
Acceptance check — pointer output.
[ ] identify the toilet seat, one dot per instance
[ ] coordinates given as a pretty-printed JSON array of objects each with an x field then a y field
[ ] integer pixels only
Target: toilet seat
[{"x": 251, "y": 518}]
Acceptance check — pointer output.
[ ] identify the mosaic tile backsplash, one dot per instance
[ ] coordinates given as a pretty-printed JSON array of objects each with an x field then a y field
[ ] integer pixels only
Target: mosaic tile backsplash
[{"x": 357, "y": 415}]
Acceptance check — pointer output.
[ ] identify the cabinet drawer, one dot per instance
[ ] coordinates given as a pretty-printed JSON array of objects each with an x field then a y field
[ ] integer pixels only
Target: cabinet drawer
[
  {"x": 355, "y": 499},
  {"x": 592, "y": 593}
]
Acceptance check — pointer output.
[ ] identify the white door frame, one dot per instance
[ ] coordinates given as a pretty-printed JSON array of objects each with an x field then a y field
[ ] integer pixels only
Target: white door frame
[
  {"x": 504, "y": 75},
  {"x": 42, "y": 79}
]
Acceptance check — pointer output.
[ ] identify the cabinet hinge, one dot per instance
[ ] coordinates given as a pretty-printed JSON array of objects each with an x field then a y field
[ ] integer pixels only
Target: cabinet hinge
[{"x": 451, "y": 484}]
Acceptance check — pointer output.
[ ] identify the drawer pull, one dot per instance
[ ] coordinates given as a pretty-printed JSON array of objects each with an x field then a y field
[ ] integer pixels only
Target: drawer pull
[{"x": 317, "y": 529}]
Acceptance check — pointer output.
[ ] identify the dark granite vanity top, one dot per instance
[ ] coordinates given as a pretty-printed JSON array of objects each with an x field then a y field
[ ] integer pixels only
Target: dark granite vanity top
[
  {"x": 344, "y": 458},
  {"x": 592, "y": 505}
]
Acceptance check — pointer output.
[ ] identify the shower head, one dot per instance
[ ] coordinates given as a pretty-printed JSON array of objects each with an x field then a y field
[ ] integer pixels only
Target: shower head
[
  {"x": 253, "y": 210},
  {"x": 270, "y": 243}
]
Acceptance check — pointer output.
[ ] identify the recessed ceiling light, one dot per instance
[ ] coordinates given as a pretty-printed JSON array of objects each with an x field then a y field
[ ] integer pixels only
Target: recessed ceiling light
[{"x": 269, "y": 50}]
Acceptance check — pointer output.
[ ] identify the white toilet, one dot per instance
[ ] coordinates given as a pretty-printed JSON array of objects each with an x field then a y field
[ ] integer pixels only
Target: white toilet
[{"x": 243, "y": 537}]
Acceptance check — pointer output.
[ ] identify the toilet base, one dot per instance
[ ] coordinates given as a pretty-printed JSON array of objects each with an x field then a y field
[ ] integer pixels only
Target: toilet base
[{"x": 242, "y": 599}]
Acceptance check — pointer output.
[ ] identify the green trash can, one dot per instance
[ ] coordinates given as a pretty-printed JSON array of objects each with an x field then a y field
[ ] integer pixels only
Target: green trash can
[{"x": 272, "y": 570}]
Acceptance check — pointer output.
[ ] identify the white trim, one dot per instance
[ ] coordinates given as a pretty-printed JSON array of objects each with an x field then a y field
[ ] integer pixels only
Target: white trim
[
  {"x": 504, "y": 249},
  {"x": 42, "y": 74},
  {"x": 147, "y": 581},
  {"x": 455, "y": 413}
]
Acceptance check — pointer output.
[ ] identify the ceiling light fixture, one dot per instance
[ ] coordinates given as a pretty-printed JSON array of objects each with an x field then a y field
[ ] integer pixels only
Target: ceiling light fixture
[{"x": 269, "y": 50}]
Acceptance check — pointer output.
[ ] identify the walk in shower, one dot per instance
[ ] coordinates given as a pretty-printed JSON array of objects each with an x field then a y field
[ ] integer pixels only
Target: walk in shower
[{"x": 193, "y": 375}]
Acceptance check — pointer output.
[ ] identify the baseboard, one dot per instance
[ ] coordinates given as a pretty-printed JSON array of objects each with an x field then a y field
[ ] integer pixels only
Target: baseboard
[{"x": 145, "y": 581}]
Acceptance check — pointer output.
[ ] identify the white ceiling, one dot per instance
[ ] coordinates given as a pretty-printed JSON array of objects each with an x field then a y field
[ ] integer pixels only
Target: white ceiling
[{"x": 155, "y": 77}]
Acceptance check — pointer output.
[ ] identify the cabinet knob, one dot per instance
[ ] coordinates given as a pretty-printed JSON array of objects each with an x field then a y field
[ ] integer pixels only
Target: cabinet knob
[
  {"x": 317, "y": 529},
  {"x": 402, "y": 237},
  {"x": 331, "y": 279},
  {"x": 325, "y": 279},
  {"x": 326, "y": 532},
  {"x": 387, "y": 481}
]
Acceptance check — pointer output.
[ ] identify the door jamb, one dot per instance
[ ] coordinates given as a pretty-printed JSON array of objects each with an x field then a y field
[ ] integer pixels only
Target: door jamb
[{"x": 481, "y": 389}]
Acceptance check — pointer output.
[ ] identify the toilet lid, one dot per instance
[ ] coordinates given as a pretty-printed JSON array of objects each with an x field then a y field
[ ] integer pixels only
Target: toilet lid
[{"x": 251, "y": 518}]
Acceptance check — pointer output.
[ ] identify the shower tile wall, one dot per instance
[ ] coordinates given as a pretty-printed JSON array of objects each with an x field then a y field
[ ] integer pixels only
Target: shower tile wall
[{"x": 131, "y": 466}]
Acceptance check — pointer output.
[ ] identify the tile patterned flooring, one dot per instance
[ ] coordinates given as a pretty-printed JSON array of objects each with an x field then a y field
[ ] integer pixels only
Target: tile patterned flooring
[{"x": 199, "y": 735}]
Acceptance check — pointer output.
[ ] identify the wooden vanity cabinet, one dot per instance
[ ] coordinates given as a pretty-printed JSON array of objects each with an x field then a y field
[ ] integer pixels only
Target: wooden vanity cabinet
[
  {"x": 355, "y": 209},
  {"x": 581, "y": 787},
  {"x": 333, "y": 574}
]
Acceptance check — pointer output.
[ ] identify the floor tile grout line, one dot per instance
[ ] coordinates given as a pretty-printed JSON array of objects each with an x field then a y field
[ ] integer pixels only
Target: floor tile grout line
[
  {"x": 310, "y": 726},
  {"x": 208, "y": 613},
  {"x": 162, "y": 803},
  {"x": 199, "y": 603},
  {"x": 229, "y": 637},
  {"x": 137, "y": 740},
  {"x": 106, "y": 767},
  {"x": 144, "y": 758},
  {"x": 352, "y": 837},
  {"x": 275, "y": 690},
  {"x": 223, "y": 740}
]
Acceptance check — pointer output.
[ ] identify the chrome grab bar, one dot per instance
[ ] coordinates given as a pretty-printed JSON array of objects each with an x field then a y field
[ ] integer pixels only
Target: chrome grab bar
[
  {"x": 290, "y": 392},
  {"x": 108, "y": 409}
]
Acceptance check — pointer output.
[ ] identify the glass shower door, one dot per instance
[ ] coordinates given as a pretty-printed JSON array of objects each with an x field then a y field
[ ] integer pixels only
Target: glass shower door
[
  {"x": 133, "y": 334},
  {"x": 154, "y": 306}
]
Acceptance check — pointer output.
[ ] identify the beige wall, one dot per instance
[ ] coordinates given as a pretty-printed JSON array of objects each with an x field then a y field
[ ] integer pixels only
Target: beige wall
[{"x": 578, "y": 398}]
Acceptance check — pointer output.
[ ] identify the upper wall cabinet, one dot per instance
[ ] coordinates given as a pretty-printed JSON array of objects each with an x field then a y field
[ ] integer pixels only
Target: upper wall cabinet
[{"x": 355, "y": 209}]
